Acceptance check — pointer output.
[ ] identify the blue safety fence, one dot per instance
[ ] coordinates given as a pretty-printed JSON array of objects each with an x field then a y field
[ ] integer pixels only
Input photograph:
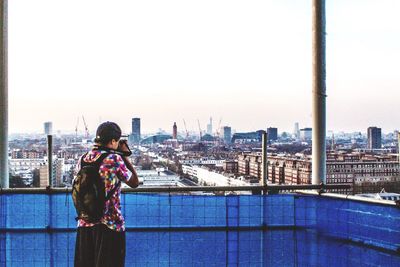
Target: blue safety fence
[{"x": 200, "y": 230}]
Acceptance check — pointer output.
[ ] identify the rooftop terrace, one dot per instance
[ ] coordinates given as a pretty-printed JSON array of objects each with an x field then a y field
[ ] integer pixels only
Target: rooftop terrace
[{"x": 38, "y": 229}]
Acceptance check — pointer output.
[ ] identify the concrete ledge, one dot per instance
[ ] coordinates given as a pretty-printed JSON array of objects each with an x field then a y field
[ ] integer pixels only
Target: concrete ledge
[{"x": 348, "y": 197}]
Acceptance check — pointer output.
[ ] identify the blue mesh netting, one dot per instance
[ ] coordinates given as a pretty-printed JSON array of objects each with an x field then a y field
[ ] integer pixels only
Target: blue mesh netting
[{"x": 183, "y": 230}]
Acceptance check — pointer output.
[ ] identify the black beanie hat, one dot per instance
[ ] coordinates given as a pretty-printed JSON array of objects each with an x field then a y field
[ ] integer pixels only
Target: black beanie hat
[{"x": 106, "y": 132}]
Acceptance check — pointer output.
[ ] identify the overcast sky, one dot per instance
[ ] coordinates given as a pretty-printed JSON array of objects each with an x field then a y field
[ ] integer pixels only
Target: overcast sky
[{"x": 247, "y": 62}]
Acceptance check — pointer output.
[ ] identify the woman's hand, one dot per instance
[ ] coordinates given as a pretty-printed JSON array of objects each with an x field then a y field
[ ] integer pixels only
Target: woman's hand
[{"x": 124, "y": 148}]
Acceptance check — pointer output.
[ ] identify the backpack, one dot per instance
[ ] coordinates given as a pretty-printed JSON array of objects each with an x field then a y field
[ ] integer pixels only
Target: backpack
[{"x": 88, "y": 191}]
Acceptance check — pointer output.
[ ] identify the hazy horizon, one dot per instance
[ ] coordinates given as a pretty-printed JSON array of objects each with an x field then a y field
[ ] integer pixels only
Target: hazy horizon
[
  {"x": 181, "y": 131},
  {"x": 248, "y": 63}
]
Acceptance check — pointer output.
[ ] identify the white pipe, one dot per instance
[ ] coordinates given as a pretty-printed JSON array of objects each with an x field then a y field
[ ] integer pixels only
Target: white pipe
[
  {"x": 4, "y": 173},
  {"x": 319, "y": 93}
]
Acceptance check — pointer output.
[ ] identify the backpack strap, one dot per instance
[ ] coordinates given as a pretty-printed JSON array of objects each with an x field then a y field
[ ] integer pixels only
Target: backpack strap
[
  {"x": 107, "y": 149},
  {"x": 121, "y": 153},
  {"x": 99, "y": 161},
  {"x": 83, "y": 163}
]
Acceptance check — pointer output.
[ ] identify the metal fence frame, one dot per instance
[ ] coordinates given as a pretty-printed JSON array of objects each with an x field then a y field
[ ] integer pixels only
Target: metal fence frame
[{"x": 266, "y": 189}]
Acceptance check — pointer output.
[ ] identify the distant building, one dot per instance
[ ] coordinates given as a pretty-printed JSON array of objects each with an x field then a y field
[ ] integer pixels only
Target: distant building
[
  {"x": 171, "y": 143},
  {"x": 250, "y": 164},
  {"x": 247, "y": 137},
  {"x": 174, "y": 131},
  {"x": 156, "y": 178},
  {"x": 374, "y": 138},
  {"x": 243, "y": 164},
  {"x": 296, "y": 131},
  {"x": 396, "y": 134},
  {"x": 354, "y": 169},
  {"x": 227, "y": 134},
  {"x": 361, "y": 170},
  {"x": 56, "y": 173},
  {"x": 41, "y": 164},
  {"x": 281, "y": 170},
  {"x": 272, "y": 134},
  {"x": 26, "y": 164},
  {"x": 156, "y": 139},
  {"x": 230, "y": 166},
  {"x": 207, "y": 138},
  {"x": 210, "y": 178},
  {"x": 305, "y": 134},
  {"x": 203, "y": 161},
  {"x": 135, "y": 137},
  {"x": 27, "y": 154},
  {"x": 209, "y": 127},
  {"x": 48, "y": 128}
]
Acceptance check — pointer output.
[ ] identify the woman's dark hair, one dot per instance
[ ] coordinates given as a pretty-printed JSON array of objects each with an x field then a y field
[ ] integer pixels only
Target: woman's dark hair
[{"x": 106, "y": 132}]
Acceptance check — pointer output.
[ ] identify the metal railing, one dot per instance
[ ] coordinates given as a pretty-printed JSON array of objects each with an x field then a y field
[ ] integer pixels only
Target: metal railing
[
  {"x": 306, "y": 189},
  {"x": 255, "y": 189}
]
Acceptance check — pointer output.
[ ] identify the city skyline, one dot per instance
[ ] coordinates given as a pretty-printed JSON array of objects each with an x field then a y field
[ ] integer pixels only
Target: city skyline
[
  {"x": 249, "y": 64},
  {"x": 181, "y": 131}
]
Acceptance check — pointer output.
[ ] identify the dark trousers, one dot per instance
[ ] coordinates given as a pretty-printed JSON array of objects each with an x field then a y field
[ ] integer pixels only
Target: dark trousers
[{"x": 99, "y": 246}]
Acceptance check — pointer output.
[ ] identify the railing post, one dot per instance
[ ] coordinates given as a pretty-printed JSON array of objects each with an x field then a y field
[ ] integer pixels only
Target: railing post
[
  {"x": 319, "y": 93},
  {"x": 4, "y": 172},
  {"x": 264, "y": 170},
  {"x": 50, "y": 158}
]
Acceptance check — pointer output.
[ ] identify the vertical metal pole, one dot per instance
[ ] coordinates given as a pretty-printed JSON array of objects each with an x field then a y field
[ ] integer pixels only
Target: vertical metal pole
[
  {"x": 264, "y": 170},
  {"x": 4, "y": 172},
  {"x": 50, "y": 158},
  {"x": 319, "y": 93}
]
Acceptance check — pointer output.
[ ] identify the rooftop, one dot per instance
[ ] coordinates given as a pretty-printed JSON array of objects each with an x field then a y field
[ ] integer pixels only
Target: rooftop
[{"x": 164, "y": 229}]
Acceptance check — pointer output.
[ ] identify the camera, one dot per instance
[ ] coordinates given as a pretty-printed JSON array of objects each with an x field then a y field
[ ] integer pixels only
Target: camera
[{"x": 123, "y": 142}]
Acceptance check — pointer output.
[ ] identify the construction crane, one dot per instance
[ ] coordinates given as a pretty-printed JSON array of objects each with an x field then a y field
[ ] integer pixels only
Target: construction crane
[
  {"x": 86, "y": 127},
  {"x": 76, "y": 128},
  {"x": 187, "y": 133},
  {"x": 198, "y": 122}
]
